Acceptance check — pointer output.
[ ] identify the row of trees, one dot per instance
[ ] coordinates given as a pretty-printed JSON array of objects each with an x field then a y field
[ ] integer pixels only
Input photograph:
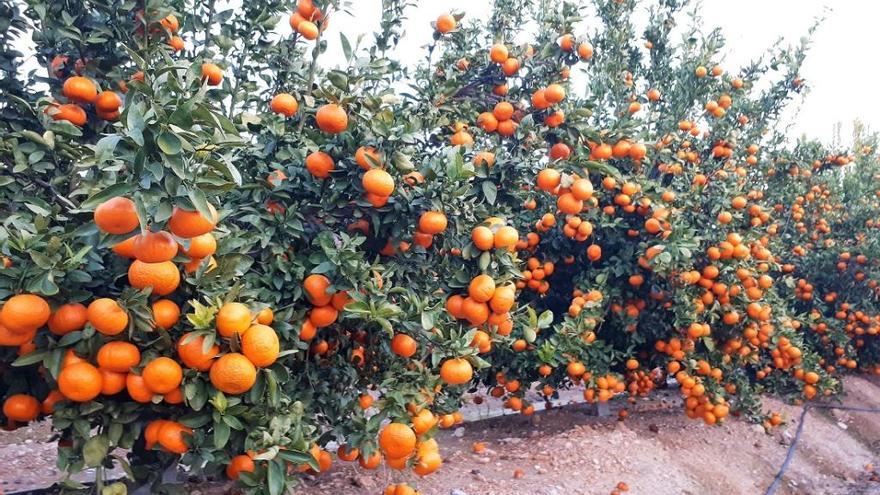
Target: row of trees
[{"x": 218, "y": 249}]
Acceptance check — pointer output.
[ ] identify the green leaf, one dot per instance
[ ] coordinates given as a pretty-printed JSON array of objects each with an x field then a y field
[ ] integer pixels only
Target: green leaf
[
  {"x": 95, "y": 450},
  {"x": 197, "y": 196},
  {"x": 105, "y": 147},
  {"x": 546, "y": 319},
  {"x": 275, "y": 478},
  {"x": 346, "y": 46},
  {"x": 29, "y": 358},
  {"x": 221, "y": 434},
  {"x": 169, "y": 143},
  {"x": 490, "y": 191},
  {"x": 485, "y": 259},
  {"x": 427, "y": 320},
  {"x": 118, "y": 189}
]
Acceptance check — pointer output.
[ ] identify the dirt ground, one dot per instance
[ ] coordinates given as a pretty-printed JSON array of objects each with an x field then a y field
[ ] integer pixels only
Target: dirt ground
[{"x": 656, "y": 451}]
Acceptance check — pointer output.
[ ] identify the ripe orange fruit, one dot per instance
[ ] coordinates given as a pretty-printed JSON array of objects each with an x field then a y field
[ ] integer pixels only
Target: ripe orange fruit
[
  {"x": 397, "y": 440},
  {"x": 23, "y": 313},
  {"x": 445, "y": 23},
  {"x": 454, "y": 306},
  {"x": 483, "y": 237},
  {"x": 80, "y": 89},
  {"x": 510, "y": 66},
  {"x": 108, "y": 101},
  {"x": 201, "y": 246},
  {"x": 174, "y": 397},
  {"x": 548, "y": 179},
  {"x": 260, "y": 345},
  {"x": 116, "y": 216},
  {"x": 506, "y": 237},
  {"x": 503, "y": 299},
  {"x": 481, "y": 288},
  {"x": 191, "y": 223},
  {"x": 507, "y": 127},
  {"x": 378, "y": 182},
  {"x": 347, "y": 453},
  {"x": 233, "y": 317},
  {"x": 112, "y": 382},
  {"x": 371, "y": 462},
  {"x": 53, "y": 398},
  {"x": 487, "y": 122},
  {"x": 331, "y": 118},
  {"x": 240, "y": 464},
  {"x": 172, "y": 437},
  {"x": 212, "y": 73},
  {"x": 320, "y": 164},
  {"x": 151, "y": 432},
  {"x": 70, "y": 357},
  {"x": 316, "y": 287},
  {"x": 368, "y": 157},
  {"x": 503, "y": 111},
  {"x": 195, "y": 264},
  {"x": 162, "y": 375},
  {"x": 403, "y": 345},
  {"x": 107, "y": 316},
  {"x": 68, "y": 318},
  {"x": 170, "y": 23},
  {"x": 176, "y": 43},
  {"x": 285, "y": 104},
  {"x": 79, "y": 382},
  {"x": 191, "y": 351},
  {"x": 585, "y": 51},
  {"x": 560, "y": 151},
  {"x": 137, "y": 388},
  {"x": 322, "y": 316},
  {"x": 428, "y": 463},
  {"x": 308, "y": 30},
  {"x": 125, "y": 249},
  {"x": 456, "y": 371},
  {"x": 377, "y": 201},
  {"x": 432, "y": 222},
  {"x": 162, "y": 277},
  {"x": 118, "y": 356},
  {"x": 554, "y": 93},
  {"x": 21, "y": 407},
  {"x": 474, "y": 311},
  {"x": 69, "y": 112},
  {"x": 233, "y": 374},
  {"x": 155, "y": 247},
  {"x": 265, "y": 316},
  {"x": 498, "y": 53}
]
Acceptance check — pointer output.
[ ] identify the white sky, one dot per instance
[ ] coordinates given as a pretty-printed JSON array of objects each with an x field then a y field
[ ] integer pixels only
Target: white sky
[{"x": 841, "y": 68}]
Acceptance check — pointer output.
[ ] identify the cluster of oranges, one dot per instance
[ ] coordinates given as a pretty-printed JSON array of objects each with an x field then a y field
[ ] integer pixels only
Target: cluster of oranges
[
  {"x": 308, "y": 20},
  {"x": 80, "y": 91},
  {"x": 485, "y": 304},
  {"x": 326, "y": 305}
]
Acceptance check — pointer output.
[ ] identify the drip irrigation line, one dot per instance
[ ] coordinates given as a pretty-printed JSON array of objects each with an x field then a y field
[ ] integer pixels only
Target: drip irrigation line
[{"x": 771, "y": 490}]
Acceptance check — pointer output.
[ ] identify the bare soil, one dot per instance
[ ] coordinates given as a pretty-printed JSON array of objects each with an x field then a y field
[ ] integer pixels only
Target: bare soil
[{"x": 656, "y": 451}]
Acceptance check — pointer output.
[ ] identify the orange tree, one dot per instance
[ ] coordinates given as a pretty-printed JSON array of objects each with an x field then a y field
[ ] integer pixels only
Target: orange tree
[{"x": 223, "y": 250}]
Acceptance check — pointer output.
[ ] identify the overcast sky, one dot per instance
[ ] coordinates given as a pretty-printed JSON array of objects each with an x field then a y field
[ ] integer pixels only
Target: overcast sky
[{"x": 841, "y": 68}]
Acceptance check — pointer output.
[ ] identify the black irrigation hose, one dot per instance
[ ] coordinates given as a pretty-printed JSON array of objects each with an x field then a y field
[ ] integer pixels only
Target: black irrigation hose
[{"x": 790, "y": 455}]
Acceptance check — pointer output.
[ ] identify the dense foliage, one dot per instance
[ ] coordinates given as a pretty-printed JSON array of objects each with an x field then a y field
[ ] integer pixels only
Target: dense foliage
[{"x": 221, "y": 249}]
